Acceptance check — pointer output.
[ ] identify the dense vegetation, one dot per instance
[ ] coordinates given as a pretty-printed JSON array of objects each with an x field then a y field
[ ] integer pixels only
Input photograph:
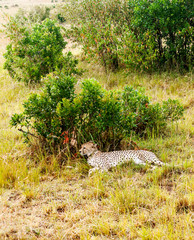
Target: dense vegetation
[
  {"x": 35, "y": 49},
  {"x": 143, "y": 35},
  {"x": 106, "y": 117}
]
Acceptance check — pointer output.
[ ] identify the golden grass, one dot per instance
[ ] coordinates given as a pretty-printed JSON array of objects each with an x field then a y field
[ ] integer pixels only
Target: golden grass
[{"x": 40, "y": 199}]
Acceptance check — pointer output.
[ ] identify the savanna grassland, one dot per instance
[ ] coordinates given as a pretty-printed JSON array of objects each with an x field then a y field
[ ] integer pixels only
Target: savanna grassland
[{"x": 40, "y": 198}]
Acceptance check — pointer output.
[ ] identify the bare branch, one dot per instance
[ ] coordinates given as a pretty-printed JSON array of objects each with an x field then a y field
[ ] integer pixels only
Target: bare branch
[{"x": 21, "y": 130}]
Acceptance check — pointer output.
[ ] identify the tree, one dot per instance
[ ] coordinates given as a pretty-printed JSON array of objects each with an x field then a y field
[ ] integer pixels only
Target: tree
[{"x": 34, "y": 51}]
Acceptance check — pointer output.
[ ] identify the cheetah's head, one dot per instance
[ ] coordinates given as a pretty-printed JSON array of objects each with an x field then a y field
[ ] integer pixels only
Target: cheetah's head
[{"x": 87, "y": 149}]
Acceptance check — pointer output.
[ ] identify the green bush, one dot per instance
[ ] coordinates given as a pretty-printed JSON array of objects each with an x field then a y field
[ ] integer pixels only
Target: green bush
[
  {"x": 142, "y": 35},
  {"x": 107, "y": 117},
  {"x": 98, "y": 25},
  {"x": 60, "y": 18},
  {"x": 35, "y": 51},
  {"x": 40, "y": 114},
  {"x": 170, "y": 24}
]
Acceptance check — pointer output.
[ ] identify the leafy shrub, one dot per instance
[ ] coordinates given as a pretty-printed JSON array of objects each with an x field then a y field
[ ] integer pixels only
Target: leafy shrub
[
  {"x": 98, "y": 25},
  {"x": 35, "y": 51},
  {"x": 37, "y": 14},
  {"x": 170, "y": 25},
  {"x": 106, "y": 117},
  {"x": 40, "y": 114},
  {"x": 60, "y": 18},
  {"x": 135, "y": 34}
]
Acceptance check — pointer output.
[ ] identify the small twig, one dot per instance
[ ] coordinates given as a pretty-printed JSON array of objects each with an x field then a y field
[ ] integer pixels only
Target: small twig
[
  {"x": 62, "y": 151},
  {"x": 135, "y": 144},
  {"x": 21, "y": 130}
]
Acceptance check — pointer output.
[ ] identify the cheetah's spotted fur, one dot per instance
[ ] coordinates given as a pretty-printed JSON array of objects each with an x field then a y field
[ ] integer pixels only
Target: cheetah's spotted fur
[{"x": 105, "y": 160}]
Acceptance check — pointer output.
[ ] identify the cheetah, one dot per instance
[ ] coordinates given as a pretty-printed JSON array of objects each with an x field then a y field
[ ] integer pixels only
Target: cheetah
[{"x": 105, "y": 160}]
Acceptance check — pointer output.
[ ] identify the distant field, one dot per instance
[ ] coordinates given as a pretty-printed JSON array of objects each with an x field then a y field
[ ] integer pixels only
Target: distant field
[{"x": 11, "y": 7}]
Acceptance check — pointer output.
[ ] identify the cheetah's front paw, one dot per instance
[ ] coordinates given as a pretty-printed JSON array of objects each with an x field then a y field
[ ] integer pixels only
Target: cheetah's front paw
[{"x": 92, "y": 170}]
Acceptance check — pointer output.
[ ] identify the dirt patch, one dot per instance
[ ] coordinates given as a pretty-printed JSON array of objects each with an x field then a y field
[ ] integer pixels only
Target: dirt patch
[{"x": 41, "y": 216}]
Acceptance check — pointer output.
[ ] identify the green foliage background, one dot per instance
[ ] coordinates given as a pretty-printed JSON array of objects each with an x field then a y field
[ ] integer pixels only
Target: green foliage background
[{"x": 136, "y": 34}]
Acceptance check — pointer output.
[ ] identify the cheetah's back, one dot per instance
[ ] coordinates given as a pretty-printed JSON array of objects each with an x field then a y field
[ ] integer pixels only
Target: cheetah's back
[{"x": 107, "y": 160}]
